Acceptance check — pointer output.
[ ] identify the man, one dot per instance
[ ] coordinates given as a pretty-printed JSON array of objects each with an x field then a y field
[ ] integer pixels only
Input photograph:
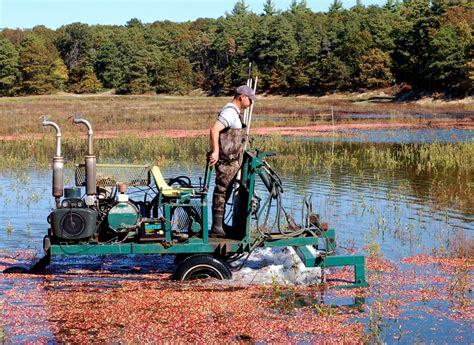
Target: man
[{"x": 228, "y": 136}]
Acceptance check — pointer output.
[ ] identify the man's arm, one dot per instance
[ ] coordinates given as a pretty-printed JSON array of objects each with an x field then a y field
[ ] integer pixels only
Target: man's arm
[{"x": 215, "y": 130}]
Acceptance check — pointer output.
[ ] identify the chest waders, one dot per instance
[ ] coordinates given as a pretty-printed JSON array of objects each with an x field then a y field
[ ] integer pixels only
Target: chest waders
[{"x": 231, "y": 145}]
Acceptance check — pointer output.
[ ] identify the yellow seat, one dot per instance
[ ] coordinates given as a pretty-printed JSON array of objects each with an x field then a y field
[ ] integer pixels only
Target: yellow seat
[{"x": 165, "y": 189}]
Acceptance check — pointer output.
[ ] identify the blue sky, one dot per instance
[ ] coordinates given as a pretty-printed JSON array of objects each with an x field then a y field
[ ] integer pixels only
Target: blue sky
[{"x": 54, "y": 13}]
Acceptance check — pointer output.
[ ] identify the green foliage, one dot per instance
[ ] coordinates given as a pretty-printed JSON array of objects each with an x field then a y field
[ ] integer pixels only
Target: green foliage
[
  {"x": 375, "y": 69},
  {"x": 84, "y": 80},
  {"x": 275, "y": 53},
  {"x": 240, "y": 8},
  {"x": 336, "y": 6},
  {"x": 269, "y": 8},
  {"x": 136, "y": 79},
  {"x": 173, "y": 75},
  {"x": 334, "y": 74},
  {"x": 446, "y": 63},
  {"x": 9, "y": 72},
  {"x": 427, "y": 44},
  {"x": 413, "y": 40},
  {"x": 111, "y": 58},
  {"x": 75, "y": 43},
  {"x": 59, "y": 73},
  {"x": 36, "y": 63}
]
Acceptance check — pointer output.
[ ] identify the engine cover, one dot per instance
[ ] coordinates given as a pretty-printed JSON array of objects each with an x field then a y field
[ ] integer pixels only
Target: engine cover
[
  {"x": 122, "y": 216},
  {"x": 73, "y": 223}
]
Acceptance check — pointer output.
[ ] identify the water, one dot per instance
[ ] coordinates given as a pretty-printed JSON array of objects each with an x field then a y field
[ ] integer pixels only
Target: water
[
  {"x": 393, "y": 212},
  {"x": 400, "y": 135},
  {"x": 345, "y": 116},
  {"x": 396, "y": 210}
]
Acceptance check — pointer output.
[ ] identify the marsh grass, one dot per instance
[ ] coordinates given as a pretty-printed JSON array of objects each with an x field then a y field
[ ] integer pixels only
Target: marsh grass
[
  {"x": 293, "y": 155},
  {"x": 376, "y": 323},
  {"x": 459, "y": 287},
  {"x": 457, "y": 245},
  {"x": 155, "y": 150},
  {"x": 445, "y": 169},
  {"x": 20, "y": 115},
  {"x": 455, "y": 161},
  {"x": 9, "y": 229}
]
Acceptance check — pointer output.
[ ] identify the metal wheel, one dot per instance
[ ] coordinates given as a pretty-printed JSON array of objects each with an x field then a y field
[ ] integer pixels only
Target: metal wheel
[{"x": 202, "y": 266}]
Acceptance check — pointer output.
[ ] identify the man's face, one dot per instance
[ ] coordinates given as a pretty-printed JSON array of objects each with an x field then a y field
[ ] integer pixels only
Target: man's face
[{"x": 245, "y": 101}]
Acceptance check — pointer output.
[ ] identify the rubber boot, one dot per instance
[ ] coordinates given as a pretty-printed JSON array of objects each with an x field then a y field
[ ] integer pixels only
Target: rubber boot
[{"x": 217, "y": 229}]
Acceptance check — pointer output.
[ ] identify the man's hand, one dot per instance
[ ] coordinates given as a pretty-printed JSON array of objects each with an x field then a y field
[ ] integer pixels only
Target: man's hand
[{"x": 213, "y": 158}]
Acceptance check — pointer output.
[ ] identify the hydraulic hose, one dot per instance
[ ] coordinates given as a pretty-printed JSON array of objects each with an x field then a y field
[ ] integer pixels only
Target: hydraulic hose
[{"x": 274, "y": 185}]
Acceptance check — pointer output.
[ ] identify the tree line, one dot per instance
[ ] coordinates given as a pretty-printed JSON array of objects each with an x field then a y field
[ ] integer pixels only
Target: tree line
[{"x": 425, "y": 44}]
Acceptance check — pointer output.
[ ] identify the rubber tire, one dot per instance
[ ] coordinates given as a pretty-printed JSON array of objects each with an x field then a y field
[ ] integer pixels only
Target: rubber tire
[
  {"x": 179, "y": 258},
  {"x": 202, "y": 266}
]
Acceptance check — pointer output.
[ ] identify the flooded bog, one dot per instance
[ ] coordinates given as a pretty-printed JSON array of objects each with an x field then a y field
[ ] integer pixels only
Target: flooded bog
[{"x": 415, "y": 228}]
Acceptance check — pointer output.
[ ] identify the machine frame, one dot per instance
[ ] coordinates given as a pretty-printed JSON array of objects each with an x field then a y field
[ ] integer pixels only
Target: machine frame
[
  {"x": 198, "y": 254},
  {"x": 223, "y": 247}
]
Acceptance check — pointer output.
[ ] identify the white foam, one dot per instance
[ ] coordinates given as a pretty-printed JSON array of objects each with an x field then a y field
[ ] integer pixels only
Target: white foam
[{"x": 279, "y": 265}]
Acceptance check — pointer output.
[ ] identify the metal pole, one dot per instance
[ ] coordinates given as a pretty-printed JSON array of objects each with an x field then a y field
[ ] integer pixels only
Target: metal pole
[
  {"x": 90, "y": 159},
  {"x": 332, "y": 117},
  {"x": 247, "y": 119},
  {"x": 249, "y": 83},
  {"x": 251, "y": 110},
  {"x": 58, "y": 163}
]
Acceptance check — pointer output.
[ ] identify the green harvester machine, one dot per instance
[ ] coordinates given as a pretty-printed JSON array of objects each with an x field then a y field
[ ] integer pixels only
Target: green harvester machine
[{"x": 132, "y": 209}]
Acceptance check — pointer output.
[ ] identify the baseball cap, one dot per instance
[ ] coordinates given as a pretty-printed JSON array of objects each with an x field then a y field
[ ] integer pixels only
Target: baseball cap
[{"x": 246, "y": 91}]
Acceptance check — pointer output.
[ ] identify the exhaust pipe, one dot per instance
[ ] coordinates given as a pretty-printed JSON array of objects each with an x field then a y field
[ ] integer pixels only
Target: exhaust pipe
[
  {"x": 90, "y": 158},
  {"x": 58, "y": 163}
]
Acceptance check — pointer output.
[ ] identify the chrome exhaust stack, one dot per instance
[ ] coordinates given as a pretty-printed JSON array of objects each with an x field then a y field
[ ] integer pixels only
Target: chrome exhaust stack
[
  {"x": 58, "y": 163},
  {"x": 90, "y": 160}
]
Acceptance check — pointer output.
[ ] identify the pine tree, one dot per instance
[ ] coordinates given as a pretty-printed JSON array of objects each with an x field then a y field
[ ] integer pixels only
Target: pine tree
[
  {"x": 413, "y": 40},
  {"x": 375, "y": 69},
  {"x": 9, "y": 72},
  {"x": 173, "y": 75},
  {"x": 275, "y": 52},
  {"x": 448, "y": 55},
  {"x": 240, "y": 8},
  {"x": 269, "y": 8},
  {"x": 75, "y": 44},
  {"x": 336, "y": 6},
  {"x": 82, "y": 79},
  {"x": 113, "y": 59},
  {"x": 35, "y": 65},
  {"x": 136, "y": 81}
]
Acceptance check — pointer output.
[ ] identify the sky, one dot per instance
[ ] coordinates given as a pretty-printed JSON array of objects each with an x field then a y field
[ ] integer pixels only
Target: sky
[{"x": 55, "y": 13}]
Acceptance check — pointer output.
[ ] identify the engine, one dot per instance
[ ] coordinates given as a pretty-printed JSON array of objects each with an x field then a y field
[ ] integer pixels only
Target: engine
[
  {"x": 73, "y": 220},
  {"x": 73, "y": 223}
]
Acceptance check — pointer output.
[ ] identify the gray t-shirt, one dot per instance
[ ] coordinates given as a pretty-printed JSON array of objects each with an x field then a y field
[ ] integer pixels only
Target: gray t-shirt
[{"x": 229, "y": 116}]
